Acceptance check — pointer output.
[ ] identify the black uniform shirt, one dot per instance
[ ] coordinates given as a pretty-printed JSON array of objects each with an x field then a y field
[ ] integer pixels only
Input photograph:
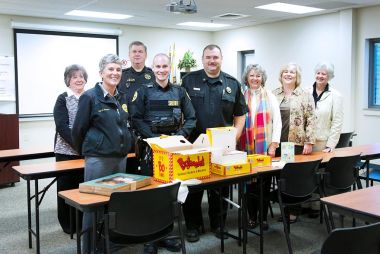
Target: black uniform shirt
[
  {"x": 131, "y": 79},
  {"x": 151, "y": 102},
  {"x": 216, "y": 100}
]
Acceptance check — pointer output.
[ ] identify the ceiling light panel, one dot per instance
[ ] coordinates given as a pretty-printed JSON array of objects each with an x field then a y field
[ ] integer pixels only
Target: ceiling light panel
[
  {"x": 289, "y": 8},
  {"x": 202, "y": 24},
  {"x": 95, "y": 14}
]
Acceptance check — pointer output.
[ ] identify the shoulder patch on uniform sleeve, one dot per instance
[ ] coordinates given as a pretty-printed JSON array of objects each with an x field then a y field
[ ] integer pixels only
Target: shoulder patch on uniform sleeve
[
  {"x": 147, "y": 76},
  {"x": 135, "y": 96},
  {"x": 124, "y": 107}
]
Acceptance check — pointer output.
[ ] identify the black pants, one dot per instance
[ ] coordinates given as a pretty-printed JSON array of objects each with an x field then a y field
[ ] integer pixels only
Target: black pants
[
  {"x": 253, "y": 198},
  {"x": 192, "y": 209},
  {"x": 67, "y": 182}
]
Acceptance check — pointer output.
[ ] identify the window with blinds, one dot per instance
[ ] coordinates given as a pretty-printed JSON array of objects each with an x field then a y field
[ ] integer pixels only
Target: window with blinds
[{"x": 374, "y": 74}]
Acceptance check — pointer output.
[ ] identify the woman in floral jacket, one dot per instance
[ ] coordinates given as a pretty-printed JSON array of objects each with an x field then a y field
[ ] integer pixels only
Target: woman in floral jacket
[
  {"x": 297, "y": 114},
  {"x": 297, "y": 110}
]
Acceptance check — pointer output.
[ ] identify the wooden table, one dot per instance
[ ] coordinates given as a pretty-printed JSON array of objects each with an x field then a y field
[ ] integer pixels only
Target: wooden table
[
  {"x": 92, "y": 203},
  {"x": 35, "y": 172},
  {"x": 367, "y": 153},
  {"x": 363, "y": 204},
  {"x": 15, "y": 155},
  {"x": 25, "y": 154},
  {"x": 41, "y": 171},
  {"x": 89, "y": 202}
]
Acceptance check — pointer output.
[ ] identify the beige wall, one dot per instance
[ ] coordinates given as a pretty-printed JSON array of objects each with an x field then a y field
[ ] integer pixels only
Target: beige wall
[
  {"x": 304, "y": 41},
  {"x": 367, "y": 122},
  {"x": 41, "y": 131},
  {"x": 337, "y": 37}
]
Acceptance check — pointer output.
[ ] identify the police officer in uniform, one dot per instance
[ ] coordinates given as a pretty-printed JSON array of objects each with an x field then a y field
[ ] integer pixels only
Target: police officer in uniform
[
  {"x": 158, "y": 108},
  {"x": 138, "y": 73},
  {"x": 161, "y": 108},
  {"x": 131, "y": 79},
  {"x": 218, "y": 101}
]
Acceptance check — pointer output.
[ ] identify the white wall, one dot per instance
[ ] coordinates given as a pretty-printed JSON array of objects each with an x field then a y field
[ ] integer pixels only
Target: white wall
[
  {"x": 41, "y": 131},
  {"x": 305, "y": 41},
  {"x": 367, "y": 122},
  {"x": 336, "y": 37}
]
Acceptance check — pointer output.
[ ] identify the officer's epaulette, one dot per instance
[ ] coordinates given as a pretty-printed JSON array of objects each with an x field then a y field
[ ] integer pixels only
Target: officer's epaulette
[
  {"x": 148, "y": 68},
  {"x": 126, "y": 70},
  {"x": 175, "y": 84},
  {"x": 229, "y": 76},
  {"x": 192, "y": 73}
]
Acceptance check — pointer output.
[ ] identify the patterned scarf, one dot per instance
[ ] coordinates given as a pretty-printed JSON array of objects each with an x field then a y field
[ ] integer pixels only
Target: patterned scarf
[{"x": 257, "y": 134}]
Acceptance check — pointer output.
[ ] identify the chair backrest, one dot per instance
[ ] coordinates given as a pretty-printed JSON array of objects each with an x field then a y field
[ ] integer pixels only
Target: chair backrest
[
  {"x": 299, "y": 179},
  {"x": 344, "y": 139},
  {"x": 357, "y": 240},
  {"x": 340, "y": 174},
  {"x": 143, "y": 213}
]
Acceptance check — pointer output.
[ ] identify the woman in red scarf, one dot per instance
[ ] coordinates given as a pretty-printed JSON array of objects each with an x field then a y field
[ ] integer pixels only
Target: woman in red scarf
[{"x": 261, "y": 134}]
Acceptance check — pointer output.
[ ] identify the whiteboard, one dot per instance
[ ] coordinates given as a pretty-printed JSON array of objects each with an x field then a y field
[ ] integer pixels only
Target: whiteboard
[{"x": 41, "y": 59}]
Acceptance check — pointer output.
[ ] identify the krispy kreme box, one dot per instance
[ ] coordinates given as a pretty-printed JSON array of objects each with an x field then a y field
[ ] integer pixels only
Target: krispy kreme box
[
  {"x": 232, "y": 169},
  {"x": 259, "y": 160},
  {"x": 176, "y": 158}
]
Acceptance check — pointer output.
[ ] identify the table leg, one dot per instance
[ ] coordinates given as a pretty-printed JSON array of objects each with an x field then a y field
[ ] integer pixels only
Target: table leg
[
  {"x": 240, "y": 190},
  {"x": 71, "y": 222},
  {"x": 221, "y": 220},
  {"x": 29, "y": 214},
  {"x": 260, "y": 181},
  {"x": 36, "y": 199},
  {"x": 244, "y": 219},
  {"x": 94, "y": 222},
  {"x": 367, "y": 175},
  {"x": 79, "y": 234}
]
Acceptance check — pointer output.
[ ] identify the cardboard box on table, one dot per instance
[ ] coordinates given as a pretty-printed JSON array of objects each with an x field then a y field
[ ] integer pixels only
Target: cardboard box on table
[
  {"x": 176, "y": 158},
  {"x": 226, "y": 160},
  {"x": 259, "y": 160}
]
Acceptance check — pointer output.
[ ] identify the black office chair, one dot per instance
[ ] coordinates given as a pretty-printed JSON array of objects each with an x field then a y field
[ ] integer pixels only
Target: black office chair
[
  {"x": 357, "y": 240},
  {"x": 373, "y": 175},
  {"x": 345, "y": 140},
  {"x": 143, "y": 216},
  {"x": 296, "y": 184},
  {"x": 340, "y": 175}
]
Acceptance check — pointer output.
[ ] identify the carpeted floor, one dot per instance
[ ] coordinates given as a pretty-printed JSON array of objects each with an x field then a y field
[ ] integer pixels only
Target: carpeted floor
[{"x": 307, "y": 234}]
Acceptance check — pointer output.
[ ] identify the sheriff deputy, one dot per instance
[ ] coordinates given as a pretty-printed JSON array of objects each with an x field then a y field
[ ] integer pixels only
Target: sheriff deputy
[
  {"x": 218, "y": 102},
  {"x": 138, "y": 74},
  {"x": 160, "y": 108}
]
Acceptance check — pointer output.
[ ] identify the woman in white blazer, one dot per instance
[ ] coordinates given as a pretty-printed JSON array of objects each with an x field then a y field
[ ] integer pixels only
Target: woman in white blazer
[{"x": 328, "y": 109}]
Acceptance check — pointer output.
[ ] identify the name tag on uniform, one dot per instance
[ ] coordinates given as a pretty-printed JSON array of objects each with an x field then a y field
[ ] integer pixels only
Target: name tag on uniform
[
  {"x": 173, "y": 103},
  {"x": 196, "y": 88}
]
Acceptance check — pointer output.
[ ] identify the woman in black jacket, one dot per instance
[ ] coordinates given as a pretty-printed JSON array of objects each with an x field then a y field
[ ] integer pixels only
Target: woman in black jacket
[{"x": 101, "y": 129}]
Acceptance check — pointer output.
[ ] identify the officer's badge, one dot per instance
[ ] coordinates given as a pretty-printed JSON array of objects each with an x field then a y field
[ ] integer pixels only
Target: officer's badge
[
  {"x": 125, "y": 107},
  {"x": 134, "y": 96},
  {"x": 173, "y": 103},
  {"x": 228, "y": 89},
  {"x": 147, "y": 76}
]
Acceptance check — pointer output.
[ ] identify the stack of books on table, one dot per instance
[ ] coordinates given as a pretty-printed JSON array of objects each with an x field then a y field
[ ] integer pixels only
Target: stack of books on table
[{"x": 116, "y": 182}]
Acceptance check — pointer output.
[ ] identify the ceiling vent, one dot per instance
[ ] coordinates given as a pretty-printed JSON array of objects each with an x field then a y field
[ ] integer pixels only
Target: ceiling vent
[
  {"x": 181, "y": 6},
  {"x": 231, "y": 16}
]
